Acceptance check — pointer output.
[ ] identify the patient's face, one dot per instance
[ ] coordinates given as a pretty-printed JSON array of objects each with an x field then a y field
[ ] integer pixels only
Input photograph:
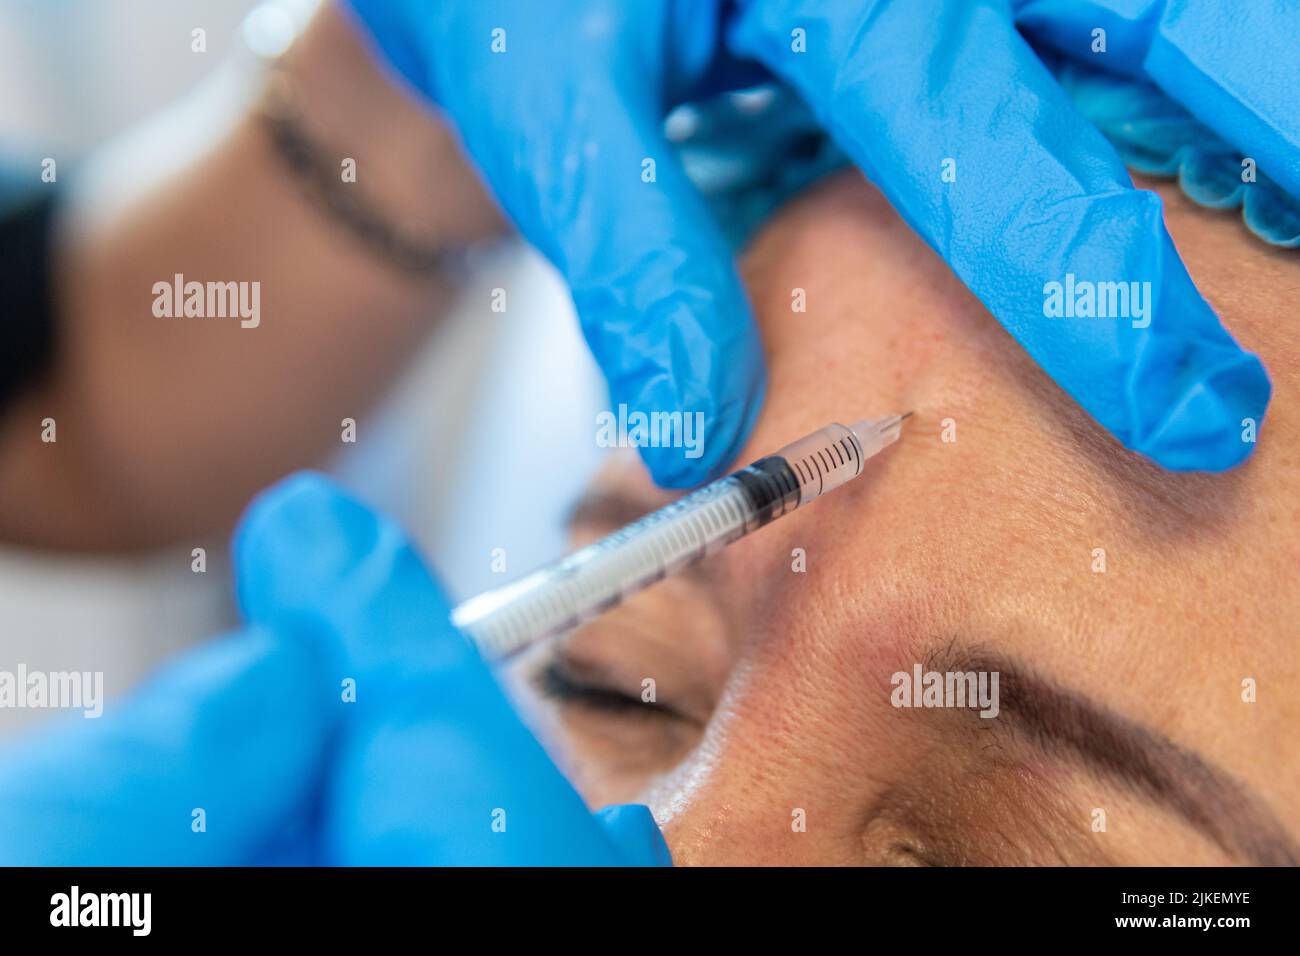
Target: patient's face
[{"x": 1128, "y": 612}]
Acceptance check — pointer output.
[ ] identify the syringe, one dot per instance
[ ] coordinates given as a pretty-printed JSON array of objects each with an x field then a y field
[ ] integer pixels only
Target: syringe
[{"x": 560, "y": 596}]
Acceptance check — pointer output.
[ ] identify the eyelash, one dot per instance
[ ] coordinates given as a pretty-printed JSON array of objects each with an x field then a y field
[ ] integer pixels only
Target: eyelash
[{"x": 555, "y": 684}]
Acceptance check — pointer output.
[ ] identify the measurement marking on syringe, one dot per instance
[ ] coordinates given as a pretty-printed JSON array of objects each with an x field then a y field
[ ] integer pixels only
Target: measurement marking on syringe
[
  {"x": 857, "y": 452},
  {"x": 852, "y": 452},
  {"x": 821, "y": 479}
]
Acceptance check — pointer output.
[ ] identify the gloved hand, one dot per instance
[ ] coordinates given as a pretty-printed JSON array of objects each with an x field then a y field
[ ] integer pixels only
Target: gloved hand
[
  {"x": 564, "y": 125},
  {"x": 1231, "y": 65},
  {"x": 561, "y": 119},
  {"x": 253, "y": 730},
  {"x": 1038, "y": 195}
]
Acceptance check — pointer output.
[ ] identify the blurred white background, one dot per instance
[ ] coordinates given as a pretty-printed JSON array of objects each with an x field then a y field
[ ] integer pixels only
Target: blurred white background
[
  {"x": 463, "y": 451},
  {"x": 74, "y": 72}
]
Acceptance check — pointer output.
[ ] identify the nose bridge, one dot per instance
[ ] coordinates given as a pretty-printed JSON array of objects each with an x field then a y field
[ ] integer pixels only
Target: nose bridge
[
  {"x": 800, "y": 796},
  {"x": 767, "y": 788},
  {"x": 805, "y": 743}
]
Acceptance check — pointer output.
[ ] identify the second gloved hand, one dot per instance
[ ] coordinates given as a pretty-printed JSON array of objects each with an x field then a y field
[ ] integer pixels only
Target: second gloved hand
[
  {"x": 432, "y": 765},
  {"x": 348, "y": 723}
]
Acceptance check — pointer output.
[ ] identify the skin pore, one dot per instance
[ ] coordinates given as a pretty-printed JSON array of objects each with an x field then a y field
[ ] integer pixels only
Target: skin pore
[{"x": 1121, "y": 691}]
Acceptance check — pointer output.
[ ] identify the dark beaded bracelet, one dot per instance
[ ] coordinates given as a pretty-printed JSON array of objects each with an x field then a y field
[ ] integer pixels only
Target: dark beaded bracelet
[{"x": 317, "y": 170}]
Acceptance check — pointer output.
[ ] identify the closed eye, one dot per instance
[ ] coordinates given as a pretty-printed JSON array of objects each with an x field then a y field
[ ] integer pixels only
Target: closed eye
[{"x": 554, "y": 682}]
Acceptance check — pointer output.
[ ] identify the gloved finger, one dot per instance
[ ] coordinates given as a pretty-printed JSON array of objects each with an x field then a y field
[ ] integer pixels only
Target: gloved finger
[
  {"x": 661, "y": 303},
  {"x": 588, "y": 176},
  {"x": 309, "y": 556},
  {"x": 1156, "y": 136},
  {"x": 564, "y": 118},
  {"x": 433, "y": 765},
  {"x": 654, "y": 282},
  {"x": 1231, "y": 64},
  {"x": 633, "y": 829},
  {"x": 212, "y": 762},
  {"x": 967, "y": 134}
]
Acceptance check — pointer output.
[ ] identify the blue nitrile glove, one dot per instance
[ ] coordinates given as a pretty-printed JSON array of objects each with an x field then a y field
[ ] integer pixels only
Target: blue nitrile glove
[
  {"x": 1232, "y": 65},
  {"x": 563, "y": 124},
  {"x": 911, "y": 89},
  {"x": 1158, "y": 137},
  {"x": 1192, "y": 91},
  {"x": 560, "y": 121},
  {"x": 432, "y": 765},
  {"x": 253, "y": 731}
]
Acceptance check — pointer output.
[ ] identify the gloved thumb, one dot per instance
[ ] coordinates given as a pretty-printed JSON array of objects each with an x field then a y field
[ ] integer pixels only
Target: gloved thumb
[
  {"x": 591, "y": 180},
  {"x": 659, "y": 299},
  {"x": 309, "y": 555}
]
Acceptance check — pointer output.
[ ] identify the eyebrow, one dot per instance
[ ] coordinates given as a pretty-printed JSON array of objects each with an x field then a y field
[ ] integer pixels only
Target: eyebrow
[{"x": 1067, "y": 723}]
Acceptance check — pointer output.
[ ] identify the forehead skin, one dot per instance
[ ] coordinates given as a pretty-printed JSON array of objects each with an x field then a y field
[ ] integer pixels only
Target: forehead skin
[{"x": 987, "y": 541}]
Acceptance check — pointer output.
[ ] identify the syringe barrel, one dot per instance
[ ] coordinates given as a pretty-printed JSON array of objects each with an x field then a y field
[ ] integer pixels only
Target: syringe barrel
[
  {"x": 824, "y": 460},
  {"x": 561, "y": 596},
  {"x": 593, "y": 579}
]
